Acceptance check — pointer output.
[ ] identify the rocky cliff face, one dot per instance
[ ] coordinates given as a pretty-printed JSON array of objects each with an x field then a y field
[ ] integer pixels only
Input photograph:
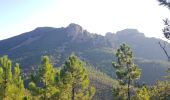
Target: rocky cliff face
[{"x": 74, "y": 29}]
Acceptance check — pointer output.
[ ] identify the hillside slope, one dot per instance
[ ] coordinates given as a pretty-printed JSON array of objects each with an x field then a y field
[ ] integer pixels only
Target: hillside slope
[{"x": 95, "y": 49}]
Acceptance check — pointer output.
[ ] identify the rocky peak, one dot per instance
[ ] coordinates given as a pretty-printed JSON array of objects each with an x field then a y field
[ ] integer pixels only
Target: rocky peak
[
  {"x": 130, "y": 32},
  {"x": 109, "y": 35},
  {"x": 74, "y": 29}
]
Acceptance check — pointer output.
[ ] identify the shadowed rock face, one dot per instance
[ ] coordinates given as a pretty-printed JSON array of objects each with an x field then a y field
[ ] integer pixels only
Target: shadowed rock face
[
  {"x": 76, "y": 33},
  {"x": 111, "y": 38},
  {"x": 74, "y": 29}
]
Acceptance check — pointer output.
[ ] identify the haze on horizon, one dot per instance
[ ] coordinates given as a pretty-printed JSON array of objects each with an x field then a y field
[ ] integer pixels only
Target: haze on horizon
[{"x": 96, "y": 16}]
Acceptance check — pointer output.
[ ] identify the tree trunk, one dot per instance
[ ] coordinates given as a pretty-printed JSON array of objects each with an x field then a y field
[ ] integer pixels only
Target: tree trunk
[
  {"x": 45, "y": 94},
  {"x": 73, "y": 92},
  {"x": 165, "y": 92},
  {"x": 5, "y": 83},
  {"x": 129, "y": 88}
]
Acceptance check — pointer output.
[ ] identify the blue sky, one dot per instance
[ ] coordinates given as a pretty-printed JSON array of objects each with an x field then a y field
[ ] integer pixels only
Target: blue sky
[
  {"x": 15, "y": 14},
  {"x": 97, "y": 16}
]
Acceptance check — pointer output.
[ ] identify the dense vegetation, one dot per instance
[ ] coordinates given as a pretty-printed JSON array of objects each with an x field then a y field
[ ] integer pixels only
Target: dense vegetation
[
  {"x": 69, "y": 83},
  {"x": 127, "y": 72},
  {"x": 72, "y": 82}
]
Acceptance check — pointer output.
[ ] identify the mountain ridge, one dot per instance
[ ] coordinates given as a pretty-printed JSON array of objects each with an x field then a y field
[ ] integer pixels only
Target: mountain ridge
[
  {"x": 76, "y": 25},
  {"x": 95, "y": 49}
]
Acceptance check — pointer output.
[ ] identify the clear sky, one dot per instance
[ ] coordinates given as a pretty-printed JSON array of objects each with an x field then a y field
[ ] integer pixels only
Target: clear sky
[{"x": 97, "y": 16}]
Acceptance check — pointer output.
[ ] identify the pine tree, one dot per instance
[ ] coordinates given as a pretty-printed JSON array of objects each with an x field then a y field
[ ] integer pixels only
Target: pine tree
[
  {"x": 75, "y": 81},
  {"x": 6, "y": 76},
  {"x": 126, "y": 70},
  {"x": 18, "y": 84},
  {"x": 43, "y": 83},
  {"x": 119, "y": 93},
  {"x": 142, "y": 94},
  {"x": 11, "y": 85}
]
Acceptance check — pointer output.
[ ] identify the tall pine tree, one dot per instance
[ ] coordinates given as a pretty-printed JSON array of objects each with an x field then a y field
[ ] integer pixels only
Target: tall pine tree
[
  {"x": 75, "y": 80},
  {"x": 11, "y": 85},
  {"x": 43, "y": 83},
  {"x": 126, "y": 70}
]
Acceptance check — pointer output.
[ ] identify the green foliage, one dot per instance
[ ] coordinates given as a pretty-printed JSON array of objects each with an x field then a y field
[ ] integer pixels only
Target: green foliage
[
  {"x": 160, "y": 91},
  {"x": 126, "y": 70},
  {"x": 11, "y": 85},
  {"x": 120, "y": 93},
  {"x": 142, "y": 94},
  {"x": 75, "y": 81},
  {"x": 44, "y": 86},
  {"x": 125, "y": 66}
]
